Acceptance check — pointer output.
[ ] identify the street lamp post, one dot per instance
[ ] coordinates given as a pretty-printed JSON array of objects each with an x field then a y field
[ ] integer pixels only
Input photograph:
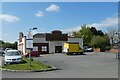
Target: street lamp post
[{"x": 30, "y": 42}]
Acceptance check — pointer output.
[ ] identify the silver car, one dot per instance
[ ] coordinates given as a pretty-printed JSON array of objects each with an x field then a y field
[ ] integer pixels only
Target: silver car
[{"x": 13, "y": 56}]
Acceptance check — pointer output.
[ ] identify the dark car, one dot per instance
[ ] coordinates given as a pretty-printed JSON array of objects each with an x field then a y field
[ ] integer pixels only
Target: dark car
[{"x": 2, "y": 53}]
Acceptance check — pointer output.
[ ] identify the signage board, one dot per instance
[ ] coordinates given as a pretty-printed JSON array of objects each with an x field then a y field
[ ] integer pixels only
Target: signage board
[
  {"x": 29, "y": 40},
  {"x": 29, "y": 43}
]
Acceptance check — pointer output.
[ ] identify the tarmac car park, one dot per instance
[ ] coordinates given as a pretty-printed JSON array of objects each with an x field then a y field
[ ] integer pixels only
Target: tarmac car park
[{"x": 92, "y": 65}]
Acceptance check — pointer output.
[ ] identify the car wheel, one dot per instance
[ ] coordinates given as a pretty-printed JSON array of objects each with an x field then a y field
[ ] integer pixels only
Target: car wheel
[
  {"x": 68, "y": 53},
  {"x": 7, "y": 63}
]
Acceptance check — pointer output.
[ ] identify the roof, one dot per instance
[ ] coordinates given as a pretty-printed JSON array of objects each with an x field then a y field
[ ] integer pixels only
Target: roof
[
  {"x": 55, "y": 35},
  {"x": 39, "y": 35},
  {"x": 12, "y": 50}
]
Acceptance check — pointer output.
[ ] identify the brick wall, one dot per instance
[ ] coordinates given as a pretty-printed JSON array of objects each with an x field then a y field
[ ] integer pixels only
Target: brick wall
[
  {"x": 96, "y": 49},
  {"x": 113, "y": 50}
]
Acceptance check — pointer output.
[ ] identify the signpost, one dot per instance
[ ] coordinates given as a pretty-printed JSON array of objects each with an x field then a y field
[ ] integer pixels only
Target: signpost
[{"x": 29, "y": 44}]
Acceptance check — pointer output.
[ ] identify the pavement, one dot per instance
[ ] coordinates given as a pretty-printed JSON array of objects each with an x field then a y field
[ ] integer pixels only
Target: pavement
[{"x": 92, "y": 65}]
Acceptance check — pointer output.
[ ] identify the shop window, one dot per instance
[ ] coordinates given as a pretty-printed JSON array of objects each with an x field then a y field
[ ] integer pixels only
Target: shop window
[
  {"x": 35, "y": 48},
  {"x": 44, "y": 48}
]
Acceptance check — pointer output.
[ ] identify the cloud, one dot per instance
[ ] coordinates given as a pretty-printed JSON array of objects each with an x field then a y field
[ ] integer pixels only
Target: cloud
[
  {"x": 72, "y": 29},
  {"x": 8, "y": 18},
  {"x": 106, "y": 23},
  {"x": 111, "y": 22},
  {"x": 52, "y": 8},
  {"x": 39, "y": 14}
]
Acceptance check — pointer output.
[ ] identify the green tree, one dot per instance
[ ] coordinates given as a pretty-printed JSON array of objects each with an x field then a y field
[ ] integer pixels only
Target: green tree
[
  {"x": 96, "y": 32},
  {"x": 92, "y": 37},
  {"x": 7, "y": 45},
  {"x": 100, "y": 42},
  {"x": 1, "y": 43},
  {"x": 14, "y": 45},
  {"x": 86, "y": 33}
]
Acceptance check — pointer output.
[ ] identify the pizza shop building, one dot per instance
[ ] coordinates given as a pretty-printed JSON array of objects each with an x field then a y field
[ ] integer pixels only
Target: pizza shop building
[{"x": 48, "y": 42}]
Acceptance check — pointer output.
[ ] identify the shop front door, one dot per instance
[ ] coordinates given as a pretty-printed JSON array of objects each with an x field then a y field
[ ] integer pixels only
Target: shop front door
[{"x": 58, "y": 49}]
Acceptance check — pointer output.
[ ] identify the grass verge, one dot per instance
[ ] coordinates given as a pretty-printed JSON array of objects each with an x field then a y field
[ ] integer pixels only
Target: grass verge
[{"x": 35, "y": 65}]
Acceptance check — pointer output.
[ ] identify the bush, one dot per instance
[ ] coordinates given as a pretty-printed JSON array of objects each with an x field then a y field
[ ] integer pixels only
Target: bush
[
  {"x": 102, "y": 49},
  {"x": 108, "y": 47},
  {"x": 100, "y": 42}
]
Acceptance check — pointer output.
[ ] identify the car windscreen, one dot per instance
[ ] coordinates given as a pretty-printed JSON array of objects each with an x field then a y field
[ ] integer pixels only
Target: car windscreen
[{"x": 14, "y": 53}]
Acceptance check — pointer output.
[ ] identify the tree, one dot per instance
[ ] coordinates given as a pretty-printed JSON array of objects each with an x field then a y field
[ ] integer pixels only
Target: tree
[
  {"x": 92, "y": 37},
  {"x": 14, "y": 45},
  {"x": 93, "y": 30},
  {"x": 100, "y": 42},
  {"x": 10, "y": 45},
  {"x": 113, "y": 35},
  {"x": 1, "y": 43},
  {"x": 96, "y": 32},
  {"x": 86, "y": 33},
  {"x": 7, "y": 45},
  {"x": 100, "y": 33}
]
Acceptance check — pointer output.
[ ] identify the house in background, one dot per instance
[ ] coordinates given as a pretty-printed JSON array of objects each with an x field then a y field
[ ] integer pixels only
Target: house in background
[{"x": 49, "y": 42}]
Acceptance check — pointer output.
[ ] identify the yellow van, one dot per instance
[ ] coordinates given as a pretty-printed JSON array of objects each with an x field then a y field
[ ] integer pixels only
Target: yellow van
[{"x": 72, "y": 48}]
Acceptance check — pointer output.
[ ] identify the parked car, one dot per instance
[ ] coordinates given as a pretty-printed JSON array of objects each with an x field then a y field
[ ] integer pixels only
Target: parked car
[
  {"x": 13, "y": 56},
  {"x": 2, "y": 53},
  {"x": 88, "y": 49},
  {"x": 8, "y": 49}
]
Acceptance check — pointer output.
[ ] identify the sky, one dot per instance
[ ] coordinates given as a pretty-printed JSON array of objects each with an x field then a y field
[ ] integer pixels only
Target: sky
[{"x": 47, "y": 16}]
